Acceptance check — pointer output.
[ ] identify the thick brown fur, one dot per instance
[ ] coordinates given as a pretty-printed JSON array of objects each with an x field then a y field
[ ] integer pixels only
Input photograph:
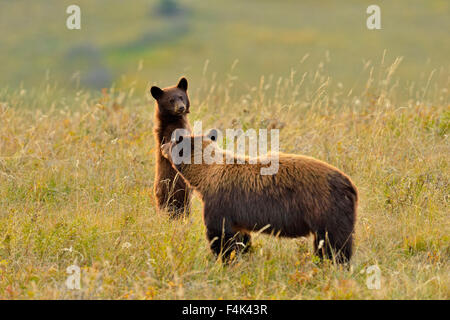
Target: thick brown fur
[
  {"x": 172, "y": 106},
  {"x": 306, "y": 196}
]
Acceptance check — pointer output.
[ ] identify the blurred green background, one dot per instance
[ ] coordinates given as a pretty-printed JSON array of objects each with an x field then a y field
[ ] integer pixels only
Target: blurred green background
[{"x": 145, "y": 42}]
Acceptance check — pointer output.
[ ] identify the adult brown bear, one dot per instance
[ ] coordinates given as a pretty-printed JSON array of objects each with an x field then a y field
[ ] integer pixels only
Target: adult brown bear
[
  {"x": 172, "y": 107},
  {"x": 305, "y": 196}
]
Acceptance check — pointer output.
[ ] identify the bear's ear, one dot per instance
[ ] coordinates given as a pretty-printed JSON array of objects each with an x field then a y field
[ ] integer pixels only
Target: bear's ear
[
  {"x": 157, "y": 92},
  {"x": 183, "y": 84},
  {"x": 212, "y": 135},
  {"x": 179, "y": 139}
]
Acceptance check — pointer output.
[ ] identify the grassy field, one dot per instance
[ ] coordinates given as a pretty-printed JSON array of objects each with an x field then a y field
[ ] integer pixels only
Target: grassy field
[
  {"x": 76, "y": 179},
  {"x": 76, "y": 160}
]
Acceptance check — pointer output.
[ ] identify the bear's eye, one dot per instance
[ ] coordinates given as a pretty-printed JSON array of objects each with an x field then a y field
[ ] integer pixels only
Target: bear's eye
[
  {"x": 180, "y": 153},
  {"x": 172, "y": 100}
]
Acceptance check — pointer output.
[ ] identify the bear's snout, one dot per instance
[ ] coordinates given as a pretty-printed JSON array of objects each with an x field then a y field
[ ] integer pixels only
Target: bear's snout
[{"x": 180, "y": 109}]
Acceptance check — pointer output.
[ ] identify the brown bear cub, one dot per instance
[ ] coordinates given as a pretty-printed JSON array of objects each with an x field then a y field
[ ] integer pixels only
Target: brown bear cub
[
  {"x": 305, "y": 196},
  {"x": 172, "y": 106}
]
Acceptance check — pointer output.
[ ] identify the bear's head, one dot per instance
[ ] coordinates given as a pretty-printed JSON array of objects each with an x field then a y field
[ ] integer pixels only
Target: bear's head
[
  {"x": 172, "y": 100},
  {"x": 189, "y": 153}
]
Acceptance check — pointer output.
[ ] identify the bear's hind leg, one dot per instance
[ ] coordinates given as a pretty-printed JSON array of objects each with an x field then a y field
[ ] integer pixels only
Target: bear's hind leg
[
  {"x": 180, "y": 198},
  {"x": 174, "y": 197}
]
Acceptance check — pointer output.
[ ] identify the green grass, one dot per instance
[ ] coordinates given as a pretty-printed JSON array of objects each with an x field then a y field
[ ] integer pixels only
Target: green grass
[
  {"x": 266, "y": 37},
  {"x": 76, "y": 176}
]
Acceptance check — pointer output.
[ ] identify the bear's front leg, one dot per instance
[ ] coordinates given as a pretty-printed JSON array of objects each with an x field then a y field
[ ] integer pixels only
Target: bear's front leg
[
  {"x": 222, "y": 243},
  {"x": 244, "y": 241},
  {"x": 221, "y": 237}
]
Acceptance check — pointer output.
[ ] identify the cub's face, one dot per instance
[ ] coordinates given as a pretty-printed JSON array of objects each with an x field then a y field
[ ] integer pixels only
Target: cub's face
[
  {"x": 173, "y": 100},
  {"x": 184, "y": 150}
]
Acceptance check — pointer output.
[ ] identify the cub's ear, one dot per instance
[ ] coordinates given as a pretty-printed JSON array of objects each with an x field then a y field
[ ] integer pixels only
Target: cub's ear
[
  {"x": 183, "y": 84},
  {"x": 157, "y": 92},
  {"x": 179, "y": 139},
  {"x": 212, "y": 135}
]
